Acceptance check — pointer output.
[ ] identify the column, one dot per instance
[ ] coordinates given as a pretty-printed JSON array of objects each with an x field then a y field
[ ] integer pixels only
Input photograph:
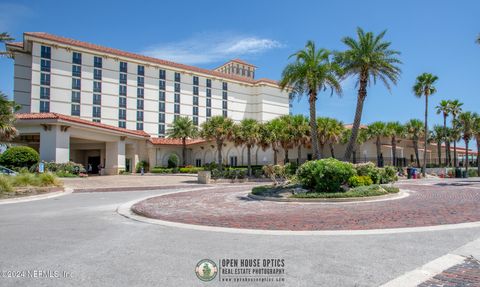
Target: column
[
  {"x": 114, "y": 156},
  {"x": 55, "y": 144}
]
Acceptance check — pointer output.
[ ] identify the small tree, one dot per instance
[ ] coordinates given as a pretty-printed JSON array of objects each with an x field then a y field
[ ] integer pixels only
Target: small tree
[
  {"x": 184, "y": 129},
  {"x": 415, "y": 130},
  {"x": 247, "y": 133},
  {"x": 375, "y": 131},
  {"x": 219, "y": 129}
]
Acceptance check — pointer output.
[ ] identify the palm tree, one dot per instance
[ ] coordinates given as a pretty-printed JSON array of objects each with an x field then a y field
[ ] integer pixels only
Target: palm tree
[
  {"x": 300, "y": 133},
  {"x": 455, "y": 109},
  {"x": 368, "y": 58},
  {"x": 444, "y": 109},
  {"x": 361, "y": 139},
  {"x": 269, "y": 137},
  {"x": 284, "y": 130},
  {"x": 7, "y": 119},
  {"x": 466, "y": 124},
  {"x": 424, "y": 86},
  {"x": 335, "y": 134},
  {"x": 395, "y": 131},
  {"x": 311, "y": 72},
  {"x": 323, "y": 124},
  {"x": 220, "y": 129},
  {"x": 5, "y": 37},
  {"x": 376, "y": 131},
  {"x": 438, "y": 136},
  {"x": 183, "y": 128},
  {"x": 476, "y": 132},
  {"x": 247, "y": 133},
  {"x": 415, "y": 130}
]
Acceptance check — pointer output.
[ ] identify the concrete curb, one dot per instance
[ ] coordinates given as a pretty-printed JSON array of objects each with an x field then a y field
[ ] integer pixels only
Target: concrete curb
[
  {"x": 126, "y": 211},
  {"x": 36, "y": 197}
]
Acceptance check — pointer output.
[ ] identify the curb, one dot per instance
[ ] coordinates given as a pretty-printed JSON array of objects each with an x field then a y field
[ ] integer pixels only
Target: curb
[{"x": 36, "y": 197}]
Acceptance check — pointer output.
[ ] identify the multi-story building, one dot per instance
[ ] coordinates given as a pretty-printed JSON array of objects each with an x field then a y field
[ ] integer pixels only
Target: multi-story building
[{"x": 69, "y": 90}]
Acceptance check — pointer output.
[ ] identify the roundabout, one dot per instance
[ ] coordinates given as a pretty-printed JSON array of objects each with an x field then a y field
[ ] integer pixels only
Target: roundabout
[{"x": 431, "y": 205}]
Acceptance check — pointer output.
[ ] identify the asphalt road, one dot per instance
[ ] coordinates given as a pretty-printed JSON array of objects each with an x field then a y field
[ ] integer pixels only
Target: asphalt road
[{"x": 82, "y": 235}]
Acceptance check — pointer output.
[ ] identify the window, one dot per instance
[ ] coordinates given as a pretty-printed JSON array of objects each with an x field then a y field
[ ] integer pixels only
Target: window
[
  {"x": 209, "y": 83},
  {"x": 123, "y": 78},
  {"x": 161, "y": 118},
  {"x": 76, "y": 84},
  {"x": 195, "y": 90},
  {"x": 122, "y": 102},
  {"x": 141, "y": 70},
  {"x": 195, "y": 80},
  {"x": 123, "y": 67},
  {"x": 198, "y": 162},
  {"x": 45, "y": 79},
  {"x": 161, "y": 85},
  {"x": 195, "y": 120},
  {"x": 176, "y": 98},
  {"x": 76, "y": 71},
  {"x": 140, "y": 104},
  {"x": 139, "y": 126},
  {"x": 233, "y": 161},
  {"x": 140, "y": 116},
  {"x": 161, "y": 96},
  {"x": 77, "y": 58},
  {"x": 97, "y": 62},
  {"x": 176, "y": 117},
  {"x": 122, "y": 124},
  {"x": 96, "y": 112},
  {"x": 225, "y": 95},
  {"x": 44, "y": 93},
  {"x": 97, "y": 74},
  {"x": 195, "y": 101},
  {"x": 177, "y": 77},
  {"x": 195, "y": 111},
  {"x": 161, "y": 74},
  {"x": 97, "y": 87},
  {"x": 44, "y": 106},
  {"x": 225, "y": 105},
  {"x": 225, "y": 86},
  {"x": 209, "y": 112},
  {"x": 75, "y": 97},
  {"x": 140, "y": 81},
  {"x": 97, "y": 99},
  {"x": 45, "y": 65},
  {"x": 209, "y": 102},
  {"x": 161, "y": 129},
  {"x": 46, "y": 52},
  {"x": 209, "y": 92},
  {"x": 75, "y": 110},
  {"x": 177, "y": 87},
  {"x": 122, "y": 114},
  {"x": 224, "y": 114},
  {"x": 140, "y": 92},
  {"x": 161, "y": 107},
  {"x": 176, "y": 108},
  {"x": 122, "y": 90}
]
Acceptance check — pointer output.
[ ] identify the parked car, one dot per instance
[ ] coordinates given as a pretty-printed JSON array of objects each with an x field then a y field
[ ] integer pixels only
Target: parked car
[{"x": 7, "y": 171}]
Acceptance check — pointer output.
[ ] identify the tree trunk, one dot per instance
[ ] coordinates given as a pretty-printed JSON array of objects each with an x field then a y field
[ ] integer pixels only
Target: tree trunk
[
  {"x": 299, "y": 154},
  {"x": 466, "y": 153},
  {"x": 447, "y": 147},
  {"x": 454, "y": 148},
  {"x": 321, "y": 149},
  {"x": 362, "y": 94},
  {"x": 415, "y": 146},
  {"x": 313, "y": 124},
  {"x": 354, "y": 156},
  {"x": 286, "y": 160},
  {"x": 424, "y": 166},
  {"x": 219, "y": 154},
  {"x": 439, "y": 150},
  {"x": 275, "y": 159},
  {"x": 448, "y": 156},
  {"x": 332, "y": 151},
  {"x": 184, "y": 151},
  {"x": 394, "y": 150},
  {"x": 478, "y": 155},
  {"x": 379, "y": 151},
  {"x": 249, "y": 161}
]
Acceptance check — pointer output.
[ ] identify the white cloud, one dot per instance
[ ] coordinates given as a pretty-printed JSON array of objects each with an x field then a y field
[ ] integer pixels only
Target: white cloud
[
  {"x": 210, "y": 48},
  {"x": 12, "y": 14}
]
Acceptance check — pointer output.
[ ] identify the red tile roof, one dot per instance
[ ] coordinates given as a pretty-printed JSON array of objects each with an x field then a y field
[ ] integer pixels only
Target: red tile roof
[
  {"x": 170, "y": 141},
  {"x": 102, "y": 49},
  {"x": 242, "y": 62},
  {"x": 16, "y": 44},
  {"x": 349, "y": 126},
  {"x": 56, "y": 116}
]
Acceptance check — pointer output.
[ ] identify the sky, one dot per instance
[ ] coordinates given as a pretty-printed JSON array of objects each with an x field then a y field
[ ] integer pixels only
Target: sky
[{"x": 433, "y": 36}]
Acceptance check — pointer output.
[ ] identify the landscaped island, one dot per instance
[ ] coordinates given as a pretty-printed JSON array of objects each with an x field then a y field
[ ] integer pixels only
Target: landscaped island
[{"x": 328, "y": 178}]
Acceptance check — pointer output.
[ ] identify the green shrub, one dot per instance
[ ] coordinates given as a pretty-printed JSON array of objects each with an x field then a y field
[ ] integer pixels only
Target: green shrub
[
  {"x": 325, "y": 175},
  {"x": 141, "y": 164},
  {"x": 391, "y": 189},
  {"x": 61, "y": 169},
  {"x": 258, "y": 173},
  {"x": 190, "y": 169},
  {"x": 24, "y": 179},
  {"x": 388, "y": 174},
  {"x": 19, "y": 156},
  {"x": 159, "y": 169},
  {"x": 361, "y": 191},
  {"x": 47, "y": 179},
  {"x": 259, "y": 190},
  {"x": 275, "y": 172},
  {"x": 5, "y": 185},
  {"x": 216, "y": 174},
  {"x": 290, "y": 169},
  {"x": 472, "y": 173},
  {"x": 359, "y": 180},
  {"x": 210, "y": 166},
  {"x": 369, "y": 169},
  {"x": 235, "y": 173},
  {"x": 172, "y": 161}
]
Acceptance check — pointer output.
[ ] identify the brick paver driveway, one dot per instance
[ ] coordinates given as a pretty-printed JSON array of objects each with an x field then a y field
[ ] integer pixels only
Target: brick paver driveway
[{"x": 434, "y": 202}]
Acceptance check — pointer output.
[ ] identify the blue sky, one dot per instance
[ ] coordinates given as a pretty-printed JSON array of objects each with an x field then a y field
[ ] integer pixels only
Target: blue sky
[{"x": 433, "y": 36}]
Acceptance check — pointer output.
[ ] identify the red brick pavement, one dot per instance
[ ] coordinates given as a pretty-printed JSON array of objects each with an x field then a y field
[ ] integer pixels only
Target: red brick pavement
[
  {"x": 230, "y": 207},
  {"x": 466, "y": 274}
]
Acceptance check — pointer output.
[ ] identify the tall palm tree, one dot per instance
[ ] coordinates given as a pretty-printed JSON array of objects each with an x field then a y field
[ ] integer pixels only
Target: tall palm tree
[
  {"x": 415, "y": 129},
  {"x": 361, "y": 139},
  {"x": 455, "y": 109},
  {"x": 368, "y": 58},
  {"x": 438, "y": 136},
  {"x": 466, "y": 124},
  {"x": 269, "y": 137},
  {"x": 444, "y": 109},
  {"x": 335, "y": 134},
  {"x": 323, "y": 126},
  {"x": 395, "y": 131},
  {"x": 183, "y": 128},
  {"x": 220, "y": 129},
  {"x": 300, "y": 132},
  {"x": 247, "y": 133},
  {"x": 376, "y": 131},
  {"x": 7, "y": 119},
  {"x": 425, "y": 86},
  {"x": 284, "y": 128},
  {"x": 311, "y": 72}
]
